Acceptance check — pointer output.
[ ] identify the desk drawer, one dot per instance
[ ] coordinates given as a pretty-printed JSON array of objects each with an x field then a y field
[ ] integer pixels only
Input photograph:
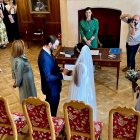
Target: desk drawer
[
  {"x": 66, "y": 61},
  {"x": 107, "y": 64}
]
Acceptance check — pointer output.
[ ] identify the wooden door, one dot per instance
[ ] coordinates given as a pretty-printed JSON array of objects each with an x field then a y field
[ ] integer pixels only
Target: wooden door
[{"x": 109, "y": 25}]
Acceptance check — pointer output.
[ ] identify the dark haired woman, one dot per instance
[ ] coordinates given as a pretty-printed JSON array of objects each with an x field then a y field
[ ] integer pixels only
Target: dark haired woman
[
  {"x": 89, "y": 29},
  {"x": 22, "y": 71},
  {"x": 11, "y": 7}
]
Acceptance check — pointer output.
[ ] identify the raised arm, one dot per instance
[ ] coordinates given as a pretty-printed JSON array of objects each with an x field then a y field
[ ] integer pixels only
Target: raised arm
[{"x": 125, "y": 17}]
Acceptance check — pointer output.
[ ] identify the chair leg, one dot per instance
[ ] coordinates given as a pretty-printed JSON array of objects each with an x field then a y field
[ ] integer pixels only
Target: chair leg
[
  {"x": 2, "y": 136},
  {"x": 60, "y": 138},
  {"x": 28, "y": 43},
  {"x": 100, "y": 138}
]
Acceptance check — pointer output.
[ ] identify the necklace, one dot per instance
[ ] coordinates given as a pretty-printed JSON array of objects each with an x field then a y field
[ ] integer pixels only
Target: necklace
[{"x": 88, "y": 23}]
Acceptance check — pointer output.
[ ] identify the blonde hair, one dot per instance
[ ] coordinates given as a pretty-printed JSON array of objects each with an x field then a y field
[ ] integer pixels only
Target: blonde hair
[{"x": 17, "y": 48}]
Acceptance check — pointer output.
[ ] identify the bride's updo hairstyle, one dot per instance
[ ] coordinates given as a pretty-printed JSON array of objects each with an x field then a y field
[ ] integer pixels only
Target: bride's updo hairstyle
[{"x": 78, "y": 47}]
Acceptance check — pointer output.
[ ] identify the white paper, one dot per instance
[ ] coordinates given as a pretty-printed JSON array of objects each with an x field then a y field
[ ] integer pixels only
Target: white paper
[
  {"x": 69, "y": 67},
  {"x": 62, "y": 53},
  {"x": 94, "y": 52},
  {"x": 67, "y": 55}
]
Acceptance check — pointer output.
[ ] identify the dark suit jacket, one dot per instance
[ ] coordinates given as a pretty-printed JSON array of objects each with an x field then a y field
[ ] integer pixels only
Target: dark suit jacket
[{"x": 50, "y": 74}]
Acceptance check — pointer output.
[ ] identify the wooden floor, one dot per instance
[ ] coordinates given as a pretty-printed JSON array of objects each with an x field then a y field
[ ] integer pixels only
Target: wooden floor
[{"x": 105, "y": 81}]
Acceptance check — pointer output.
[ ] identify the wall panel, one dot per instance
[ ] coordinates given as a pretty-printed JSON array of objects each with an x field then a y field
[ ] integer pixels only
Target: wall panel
[{"x": 52, "y": 24}]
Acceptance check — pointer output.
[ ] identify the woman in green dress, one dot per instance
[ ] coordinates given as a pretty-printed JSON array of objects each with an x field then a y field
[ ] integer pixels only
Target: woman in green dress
[
  {"x": 22, "y": 71},
  {"x": 89, "y": 27}
]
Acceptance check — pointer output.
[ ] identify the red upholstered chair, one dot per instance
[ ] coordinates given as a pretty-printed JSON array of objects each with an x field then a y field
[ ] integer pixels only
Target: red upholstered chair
[
  {"x": 124, "y": 124},
  {"x": 10, "y": 124},
  {"x": 41, "y": 125},
  {"x": 79, "y": 122}
]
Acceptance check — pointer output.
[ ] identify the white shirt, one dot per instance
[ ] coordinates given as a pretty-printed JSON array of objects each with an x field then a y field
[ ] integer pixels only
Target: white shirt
[
  {"x": 135, "y": 39},
  {"x": 47, "y": 50}
]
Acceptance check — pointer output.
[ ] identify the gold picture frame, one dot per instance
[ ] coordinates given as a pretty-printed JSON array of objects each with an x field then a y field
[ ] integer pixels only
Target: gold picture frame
[{"x": 39, "y": 6}]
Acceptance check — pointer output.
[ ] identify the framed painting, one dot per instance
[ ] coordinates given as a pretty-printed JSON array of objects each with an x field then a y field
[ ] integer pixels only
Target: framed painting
[{"x": 39, "y": 6}]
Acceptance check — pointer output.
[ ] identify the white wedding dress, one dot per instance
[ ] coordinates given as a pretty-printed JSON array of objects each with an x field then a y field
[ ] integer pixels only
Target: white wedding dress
[{"x": 82, "y": 86}]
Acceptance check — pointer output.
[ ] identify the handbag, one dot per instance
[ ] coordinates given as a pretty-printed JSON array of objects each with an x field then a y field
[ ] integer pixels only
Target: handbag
[{"x": 11, "y": 19}]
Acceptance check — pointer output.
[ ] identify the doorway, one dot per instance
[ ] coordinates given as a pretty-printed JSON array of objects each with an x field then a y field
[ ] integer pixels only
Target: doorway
[{"x": 109, "y": 25}]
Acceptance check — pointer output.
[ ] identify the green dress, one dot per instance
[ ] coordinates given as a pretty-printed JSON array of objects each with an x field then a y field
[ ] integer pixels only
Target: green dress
[
  {"x": 23, "y": 75},
  {"x": 88, "y": 29}
]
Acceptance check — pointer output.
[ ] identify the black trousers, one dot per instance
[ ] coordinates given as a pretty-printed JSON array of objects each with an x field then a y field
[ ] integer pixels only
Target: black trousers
[
  {"x": 131, "y": 53},
  {"x": 53, "y": 100}
]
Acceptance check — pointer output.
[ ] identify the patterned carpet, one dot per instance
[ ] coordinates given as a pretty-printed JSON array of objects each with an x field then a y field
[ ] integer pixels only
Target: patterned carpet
[{"x": 105, "y": 81}]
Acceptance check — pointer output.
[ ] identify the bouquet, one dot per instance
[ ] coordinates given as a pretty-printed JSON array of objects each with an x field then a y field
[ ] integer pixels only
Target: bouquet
[{"x": 133, "y": 75}]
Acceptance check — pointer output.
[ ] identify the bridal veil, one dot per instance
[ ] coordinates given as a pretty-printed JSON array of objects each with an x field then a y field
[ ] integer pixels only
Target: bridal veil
[{"x": 82, "y": 86}]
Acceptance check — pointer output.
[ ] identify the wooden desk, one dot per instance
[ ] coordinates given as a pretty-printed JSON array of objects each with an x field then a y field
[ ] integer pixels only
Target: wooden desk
[{"x": 103, "y": 61}]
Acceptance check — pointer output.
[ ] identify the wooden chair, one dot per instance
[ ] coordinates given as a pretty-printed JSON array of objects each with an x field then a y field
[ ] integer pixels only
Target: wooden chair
[
  {"x": 10, "y": 124},
  {"x": 79, "y": 123},
  {"x": 124, "y": 124},
  {"x": 41, "y": 125},
  {"x": 36, "y": 30}
]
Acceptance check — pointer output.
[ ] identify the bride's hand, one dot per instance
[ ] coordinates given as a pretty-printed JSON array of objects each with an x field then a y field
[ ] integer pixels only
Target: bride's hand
[
  {"x": 65, "y": 71},
  {"x": 69, "y": 73}
]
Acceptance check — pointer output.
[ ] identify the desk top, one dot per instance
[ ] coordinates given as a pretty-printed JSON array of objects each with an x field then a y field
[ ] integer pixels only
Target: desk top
[{"x": 101, "y": 58}]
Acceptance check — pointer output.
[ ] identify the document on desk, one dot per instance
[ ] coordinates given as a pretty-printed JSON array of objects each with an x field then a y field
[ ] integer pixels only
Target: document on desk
[
  {"x": 94, "y": 52},
  {"x": 69, "y": 67}
]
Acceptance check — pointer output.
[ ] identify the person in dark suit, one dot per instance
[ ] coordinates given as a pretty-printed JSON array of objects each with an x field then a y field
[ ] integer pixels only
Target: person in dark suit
[{"x": 51, "y": 74}]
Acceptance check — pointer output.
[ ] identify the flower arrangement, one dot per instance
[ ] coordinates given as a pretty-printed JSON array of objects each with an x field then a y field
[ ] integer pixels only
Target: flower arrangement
[{"x": 133, "y": 75}]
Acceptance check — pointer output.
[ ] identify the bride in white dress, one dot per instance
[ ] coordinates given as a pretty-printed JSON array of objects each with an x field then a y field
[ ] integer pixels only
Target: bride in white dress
[{"x": 82, "y": 86}]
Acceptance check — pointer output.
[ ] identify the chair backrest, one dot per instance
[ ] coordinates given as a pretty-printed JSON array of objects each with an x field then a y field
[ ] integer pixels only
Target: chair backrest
[
  {"x": 39, "y": 22},
  {"x": 34, "y": 33},
  {"x": 78, "y": 121},
  {"x": 124, "y": 123},
  {"x": 38, "y": 117},
  {"x": 7, "y": 124},
  {"x": 36, "y": 29}
]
